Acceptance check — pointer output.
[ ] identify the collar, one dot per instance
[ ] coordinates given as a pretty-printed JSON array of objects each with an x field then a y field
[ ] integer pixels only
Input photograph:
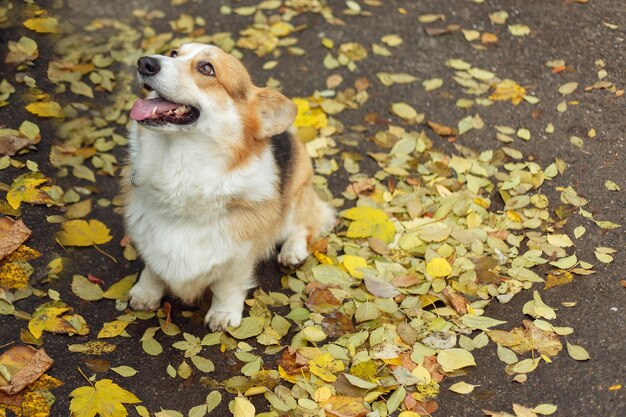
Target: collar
[{"x": 132, "y": 179}]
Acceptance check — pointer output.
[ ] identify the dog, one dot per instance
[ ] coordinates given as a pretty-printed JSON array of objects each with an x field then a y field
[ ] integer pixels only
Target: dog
[{"x": 215, "y": 181}]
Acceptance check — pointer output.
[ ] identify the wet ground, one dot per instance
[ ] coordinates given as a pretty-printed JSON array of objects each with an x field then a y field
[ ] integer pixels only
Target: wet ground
[{"x": 565, "y": 30}]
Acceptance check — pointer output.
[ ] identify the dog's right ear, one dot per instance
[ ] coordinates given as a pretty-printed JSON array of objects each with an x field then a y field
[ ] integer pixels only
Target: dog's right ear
[{"x": 275, "y": 112}]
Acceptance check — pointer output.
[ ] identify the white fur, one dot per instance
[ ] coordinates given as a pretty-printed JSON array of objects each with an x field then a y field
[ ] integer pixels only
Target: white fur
[
  {"x": 177, "y": 213},
  {"x": 177, "y": 219}
]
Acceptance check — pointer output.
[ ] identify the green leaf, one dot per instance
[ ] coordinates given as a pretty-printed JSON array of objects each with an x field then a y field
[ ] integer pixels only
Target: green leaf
[
  {"x": 213, "y": 400},
  {"x": 462, "y": 387},
  {"x": 125, "y": 371},
  {"x": 198, "y": 411},
  {"x": 396, "y": 399},
  {"x": 151, "y": 347},
  {"x": 120, "y": 289},
  {"x": 480, "y": 322},
  {"x": 203, "y": 364},
  {"x": 545, "y": 409},
  {"x": 249, "y": 327},
  {"x": 86, "y": 289},
  {"x": 577, "y": 352},
  {"x": 455, "y": 358}
]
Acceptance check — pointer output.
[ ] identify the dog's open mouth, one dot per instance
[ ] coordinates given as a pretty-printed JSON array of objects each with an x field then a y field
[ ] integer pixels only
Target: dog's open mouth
[{"x": 159, "y": 111}]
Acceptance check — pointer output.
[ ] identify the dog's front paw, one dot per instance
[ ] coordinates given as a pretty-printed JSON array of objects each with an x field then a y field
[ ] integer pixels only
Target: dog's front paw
[
  {"x": 293, "y": 252},
  {"x": 219, "y": 320},
  {"x": 144, "y": 299}
]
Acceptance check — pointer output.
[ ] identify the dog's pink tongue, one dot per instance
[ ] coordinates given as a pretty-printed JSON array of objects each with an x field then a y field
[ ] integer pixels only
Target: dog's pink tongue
[{"x": 145, "y": 109}]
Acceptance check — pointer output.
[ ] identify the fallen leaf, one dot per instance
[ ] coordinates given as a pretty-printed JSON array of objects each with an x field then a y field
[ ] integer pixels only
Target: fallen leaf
[
  {"x": 95, "y": 347},
  {"x": 249, "y": 327},
  {"x": 104, "y": 398},
  {"x": 56, "y": 317},
  {"x": 24, "y": 365},
  {"x": 43, "y": 24},
  {"x": 519, "y": 30},
  {"x": 455, "y": 358},
  {"x": 369, "y": 222},
  {"x": 568, "y": 88},
  {"x": 83, "y": 233},
  {"x": 577, "y": 352},
  {"x": 344, "y": 406},
  {"x": 243, "y": 408},
  {"x": 12, "y": 235},
  {"x": 125, "y": 371},
  {"x": 462, "y": 387},
  {"x": 45, "y": 109},
  {"x": 438, "y": 267},
  {"x": 86, "y": 289},
  {"x": 29, "y": 188},
  {"x": 112, "y": 329}
]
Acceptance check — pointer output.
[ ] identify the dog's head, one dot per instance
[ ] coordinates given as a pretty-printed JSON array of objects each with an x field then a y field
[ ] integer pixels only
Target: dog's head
[{"x": 201, "y": 87}]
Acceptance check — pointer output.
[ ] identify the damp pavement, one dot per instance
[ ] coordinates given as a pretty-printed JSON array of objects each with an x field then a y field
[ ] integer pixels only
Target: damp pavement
[{"x": 568, "y": 30}]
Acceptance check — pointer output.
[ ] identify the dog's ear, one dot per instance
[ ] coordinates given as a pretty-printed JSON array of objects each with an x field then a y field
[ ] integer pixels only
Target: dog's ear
[{"x": 275, "y": 111}]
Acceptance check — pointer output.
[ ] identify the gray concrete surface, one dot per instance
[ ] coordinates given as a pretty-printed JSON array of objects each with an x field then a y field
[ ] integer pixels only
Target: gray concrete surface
[{"x": 560, "y": 29}]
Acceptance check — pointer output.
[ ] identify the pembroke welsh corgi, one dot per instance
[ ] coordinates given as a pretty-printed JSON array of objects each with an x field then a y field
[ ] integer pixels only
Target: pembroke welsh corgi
[{"x": 215, "y": 181}]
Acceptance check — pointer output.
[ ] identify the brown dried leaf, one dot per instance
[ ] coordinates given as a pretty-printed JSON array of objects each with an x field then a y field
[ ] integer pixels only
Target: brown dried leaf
[
  {"x": 97, "y": 365},
  {"x": 336, "y": 324},
  {"x": 342, "y": 406},
  {"x": 457, "y": 301},
  {"x": 442, "y": 130},
  {"x": 12, "y": 235},
  {"x": 25, "y": 365},
  {"x": 321, "y": 300},
  {"x": 545, "y": 343}
]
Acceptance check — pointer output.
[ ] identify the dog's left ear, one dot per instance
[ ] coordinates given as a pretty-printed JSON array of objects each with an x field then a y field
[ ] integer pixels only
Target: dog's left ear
[{"x": 275, "y": 111}]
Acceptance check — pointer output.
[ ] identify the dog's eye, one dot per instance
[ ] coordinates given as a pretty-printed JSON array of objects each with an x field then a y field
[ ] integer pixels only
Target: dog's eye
[
  {"x": 206, "y": 68},
  {"x": 174, "y": 53}
]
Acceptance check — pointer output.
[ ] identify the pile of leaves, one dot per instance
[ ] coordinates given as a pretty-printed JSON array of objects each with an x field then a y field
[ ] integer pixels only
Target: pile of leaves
[{"x": 388, "y": 305}]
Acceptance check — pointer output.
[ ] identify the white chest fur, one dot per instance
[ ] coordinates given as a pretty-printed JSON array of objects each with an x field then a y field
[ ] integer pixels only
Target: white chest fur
[{"x": 177, "y": 215}]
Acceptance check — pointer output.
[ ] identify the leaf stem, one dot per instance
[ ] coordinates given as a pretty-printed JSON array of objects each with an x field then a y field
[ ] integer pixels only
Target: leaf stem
[
  {"x": 85, "y": 376},
  {"x": 104, "y": 253}
]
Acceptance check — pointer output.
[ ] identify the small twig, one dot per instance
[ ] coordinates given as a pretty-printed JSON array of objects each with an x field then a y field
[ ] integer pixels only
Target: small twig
[
  {"x": 104, "y": 253},
  {"x": 431, "y": 221},
  {"x": 85, "y": 376},
  {"x": 64, "y": 248},
  {"x": 6, "y": 344}
]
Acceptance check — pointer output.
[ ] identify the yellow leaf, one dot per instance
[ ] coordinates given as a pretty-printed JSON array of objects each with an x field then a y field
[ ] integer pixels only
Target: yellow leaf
[
  {"x": 403, "y": 110},
  {"x": 508, "y": 90},
  {"x": 326, "y": 367},
  {"x": 519, "y": 30},
  {"x": 83, "y": 233},
  {"x": 119, "y": 290},
  {"x": 28, "y": 190},
  {"x": 314, "y": 333},
  {"x": 112, "y": 329},
  {"x": 307, "y": 116},
  {"x": 15, "y": 270},
  {"x": 462, "y": 387},
  {"x": 45, "y": 109},
  {"x": 352, "y": 265},
  {"x": 104, "y": 398},
  {"x": 243, "y": 408},
  {"x": 43, "y": 25},
  {"x": 56, "y": 317},
  {"x": 455, "y": 358},
  {"x": 438, "y": 267},
  {"x": 369, "y": 221},
  {"x": 344, "y": 406}
]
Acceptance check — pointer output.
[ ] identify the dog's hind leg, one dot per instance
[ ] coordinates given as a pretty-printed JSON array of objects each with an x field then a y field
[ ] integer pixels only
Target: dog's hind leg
[
  {"x": 146, "y": 294},
  {"x": 307, "y": 218}
]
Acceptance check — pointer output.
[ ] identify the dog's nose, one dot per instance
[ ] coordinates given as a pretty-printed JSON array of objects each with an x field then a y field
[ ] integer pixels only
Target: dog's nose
[{"x": 147, "y": 65}]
